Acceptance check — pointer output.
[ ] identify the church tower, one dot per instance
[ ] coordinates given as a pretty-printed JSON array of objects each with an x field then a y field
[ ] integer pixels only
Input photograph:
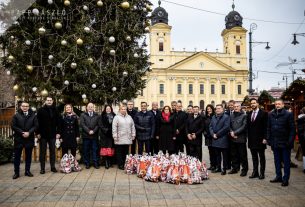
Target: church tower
[
  {"x": 234, "y": 36},
  {"x": 160, "y": 37}
]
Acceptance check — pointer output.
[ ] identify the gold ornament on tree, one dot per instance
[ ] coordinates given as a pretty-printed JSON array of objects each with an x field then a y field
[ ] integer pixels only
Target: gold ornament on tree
[
  {"x": 67, "y": 3},
  {"x": 63, "y": 42},
  {"x": 29, "y": 68},
  {"x": 16, "y": 87},
  {"x": 99, "y": 3},
  {"x": 79, "y": 41},
  {"x": 11, "y": 58},
  {"x": 90, "y": 60},
  {"x": 73, "y": 65},
  {"x": 41, "y": 31},
  {"x": 44, "y": 92},
  {"x": 125, "y": 5},
  {"x": 58, "y": 25}
]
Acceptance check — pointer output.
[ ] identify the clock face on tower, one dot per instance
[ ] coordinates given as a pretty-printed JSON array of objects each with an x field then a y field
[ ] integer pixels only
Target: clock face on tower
[{"x": 160, "y": 14}]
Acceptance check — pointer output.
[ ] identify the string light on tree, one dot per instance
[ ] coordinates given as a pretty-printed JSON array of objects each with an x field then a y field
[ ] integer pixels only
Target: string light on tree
[
  {"x": 93, "y": 86},
  {"x": 113, "y": 89},
  {"x": 59, "y": 65},
  {"x": 50, "y": 1},
  {"x": 128, "y": 38},
  {"x": 112, "y": 52},
  {"x": 28, "y": 42},
  {"x": 125, "y": 73},
  {"x": 136, "y": 55},
  {"x": 66, "y": 82},
  {"x": 84, "y": 96},
  {"x": 8, "y": 72},
  {"x": 34, "y": 89},
  {"x": 51, "y": 57},
  {"x": 64, "y": 42},
  {"x": 85, "y": 8}
]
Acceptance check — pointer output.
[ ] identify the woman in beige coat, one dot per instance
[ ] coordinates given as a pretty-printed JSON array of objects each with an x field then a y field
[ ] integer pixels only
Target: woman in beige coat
[{"x": 123, "y": 132}]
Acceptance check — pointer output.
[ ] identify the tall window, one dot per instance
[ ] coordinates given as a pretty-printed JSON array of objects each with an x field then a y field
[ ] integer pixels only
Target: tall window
[
  {"x": 179, "y": 88},
  {"x": 161, "y": 104},
  {"x": 213, "y": 103},
  {"x": 223, "y": 89},
  {"x": 161, "y": 88},
  {"x": 201, "y": 104},
  {"x": 212, "y": 89},
  {"x": 191, "y": 103},
  {"x": 161, "y": 48},
  {"x": 237, "y": 49},
  {"x": 190, "y": 88},
  {"x": 201, "y": 89},
  {"x": 239, "y": 89}
]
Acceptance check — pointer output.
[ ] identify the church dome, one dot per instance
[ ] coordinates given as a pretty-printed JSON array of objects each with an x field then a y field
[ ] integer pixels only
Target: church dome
[
  {"x": 159, "y": 15},
  {"x": 233, "y": 19}
]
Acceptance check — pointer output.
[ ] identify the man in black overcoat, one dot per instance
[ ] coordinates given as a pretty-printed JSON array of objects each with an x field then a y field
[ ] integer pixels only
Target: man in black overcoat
[
  {"x": 194, "y": 128},
  {"x": 24, "y": 125},
  {"x": 48, "y": 131},
  {"x": 257, "y": 133}
]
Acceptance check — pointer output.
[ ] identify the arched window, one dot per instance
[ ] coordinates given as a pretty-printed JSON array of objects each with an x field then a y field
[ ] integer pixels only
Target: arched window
[
  {"x": 161, "y": 46},
  {"x": 237, "y": 43},
  {"x": 179, "y": 101},
  {"x": 213, "y": 103},
  {"x": 201, "y": 104},
  {"x": 161, "y": 104}
]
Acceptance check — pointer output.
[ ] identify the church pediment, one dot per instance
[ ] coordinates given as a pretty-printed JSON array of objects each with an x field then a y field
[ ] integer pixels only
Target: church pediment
[{"x": 199, "y": 62}]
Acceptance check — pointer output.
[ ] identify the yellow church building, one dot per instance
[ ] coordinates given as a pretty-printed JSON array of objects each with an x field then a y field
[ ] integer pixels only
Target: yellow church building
[{"x": 196, "y": 78}]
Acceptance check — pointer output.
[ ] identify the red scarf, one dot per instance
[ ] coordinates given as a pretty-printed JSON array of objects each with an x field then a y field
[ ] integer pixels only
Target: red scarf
[{"x": 166, "y": 116}]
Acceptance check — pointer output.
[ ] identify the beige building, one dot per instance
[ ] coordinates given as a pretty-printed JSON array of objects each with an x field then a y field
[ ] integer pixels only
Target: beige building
[{"x": 196, "y": 78}]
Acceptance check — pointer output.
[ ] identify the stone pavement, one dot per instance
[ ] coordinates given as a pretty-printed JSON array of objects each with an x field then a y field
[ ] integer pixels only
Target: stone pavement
[{"x": 114, "y": 188}]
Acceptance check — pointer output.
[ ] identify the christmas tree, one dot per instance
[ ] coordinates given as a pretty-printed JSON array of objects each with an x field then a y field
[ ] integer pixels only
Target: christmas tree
[{"x": 79, "y": 50}]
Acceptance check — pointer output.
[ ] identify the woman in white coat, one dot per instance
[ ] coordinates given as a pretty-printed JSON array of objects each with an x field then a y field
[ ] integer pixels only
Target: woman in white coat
[{"x": 123, "y": 132}]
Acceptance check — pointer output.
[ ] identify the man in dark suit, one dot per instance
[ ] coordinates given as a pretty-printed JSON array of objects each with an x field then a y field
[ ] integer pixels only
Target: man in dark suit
[
  {"x": 229, "y": 111},
  {"x": 24, "y": 124},
  {"x": 257, "y": 132},
  {"x": 280, "y": 136},
  {"x": 157, "y": 113},
  {"x": 195, "y": 126},
  {"x": 48, "y": 132},
  {"x": 132, "y": 112},
  {"x": 181, "y": 118}
]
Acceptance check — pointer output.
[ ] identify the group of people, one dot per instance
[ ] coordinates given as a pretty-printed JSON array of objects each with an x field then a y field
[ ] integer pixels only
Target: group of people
[{"x": 170, "y": 130}]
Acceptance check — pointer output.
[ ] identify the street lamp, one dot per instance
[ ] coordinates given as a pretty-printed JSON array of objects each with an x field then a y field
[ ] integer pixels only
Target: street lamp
[
  {"x": 294, "y": 42},
  {"x": 253, "y": 26}
]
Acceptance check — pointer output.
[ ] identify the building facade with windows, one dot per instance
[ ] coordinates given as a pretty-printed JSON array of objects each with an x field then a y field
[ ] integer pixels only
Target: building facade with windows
[{"x": 196, "y": 78}]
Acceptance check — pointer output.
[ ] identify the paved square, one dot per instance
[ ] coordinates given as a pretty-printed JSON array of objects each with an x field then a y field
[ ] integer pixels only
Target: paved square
[{"x": 114, "y": 188}]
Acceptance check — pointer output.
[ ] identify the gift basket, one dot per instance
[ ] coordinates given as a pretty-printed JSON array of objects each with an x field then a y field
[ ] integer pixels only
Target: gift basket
[
  {"x": 69, "y": 164},
  {"x": 173, "y": 169}
]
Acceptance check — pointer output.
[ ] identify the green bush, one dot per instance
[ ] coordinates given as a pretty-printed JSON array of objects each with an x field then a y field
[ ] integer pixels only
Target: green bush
[{"x": 6, "y": 149}]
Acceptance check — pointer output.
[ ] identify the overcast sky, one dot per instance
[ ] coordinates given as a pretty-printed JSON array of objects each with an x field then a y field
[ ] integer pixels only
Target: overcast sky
[{"x": 201, "y": 30}]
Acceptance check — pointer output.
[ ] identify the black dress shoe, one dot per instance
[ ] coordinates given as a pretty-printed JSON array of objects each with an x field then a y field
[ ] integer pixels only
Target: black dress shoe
[
  {"x": 96, "y": 166},
  {"x": 243, "y": 174},
  {"x": 15, "y": 176},
  {"x": 87, "y": 166},
  {"x": 216, "y": 170},
  {"x": 223, "y": 172},
  {"x": 254, "y": 175},
  {"x": 261, "y": 176},
  {"x": 211, "y": 168},
  {"x": 42, "y": 171},
  {"x": 276, "y": 180},
  {"x": 233, "y": 171},
  {"x": 285, "y": 183},
  {"x": 53, "y": 169},
  {"x": 28, "y": 173}
]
